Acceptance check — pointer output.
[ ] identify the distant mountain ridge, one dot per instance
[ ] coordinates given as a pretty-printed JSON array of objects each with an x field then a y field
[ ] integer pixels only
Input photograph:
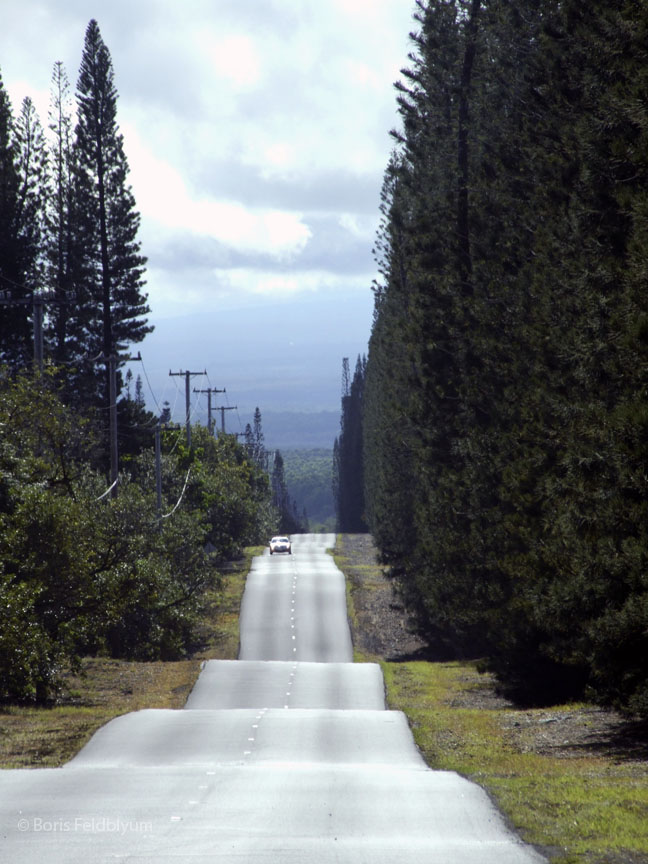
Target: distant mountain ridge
[{"x": 281, "y": 356}]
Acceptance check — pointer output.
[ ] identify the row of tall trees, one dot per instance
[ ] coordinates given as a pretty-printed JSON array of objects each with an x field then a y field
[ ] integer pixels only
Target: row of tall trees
[
  {"x": 287, "y": 519},
  {"x": 506, "y": 392},
  {"x": 348, "y": 473},
  {"x": 68, "y": 230}
]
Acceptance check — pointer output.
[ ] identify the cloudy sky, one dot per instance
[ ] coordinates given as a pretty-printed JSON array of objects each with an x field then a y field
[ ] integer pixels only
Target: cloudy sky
[{"x": 257, "y": 133}]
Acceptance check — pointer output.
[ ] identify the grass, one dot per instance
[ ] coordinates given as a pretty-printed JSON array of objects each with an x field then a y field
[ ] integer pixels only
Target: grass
[
  {"x": 220, "y": 626},
  {"x": 45, "y": 737},
  {"x": 581, "y": 808}
]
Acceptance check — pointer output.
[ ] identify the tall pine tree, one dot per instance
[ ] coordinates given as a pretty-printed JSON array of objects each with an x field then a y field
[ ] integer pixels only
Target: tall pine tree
[
  {"x": 288, "y": 520},
  {"x": 31, "y": 155},
  {"x": 15, "y": 262},
  {"x": 348, "y": 457},
  {"x": 64, "y": 330},
  {"x": 109, "y": 268},
  {"x": 255, "y": 442}
]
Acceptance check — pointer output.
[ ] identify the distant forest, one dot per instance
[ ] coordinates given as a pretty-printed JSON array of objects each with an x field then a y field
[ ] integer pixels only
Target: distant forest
[
  {"x": 504, "y": 403},
  {"x": 309, "y": 474}
]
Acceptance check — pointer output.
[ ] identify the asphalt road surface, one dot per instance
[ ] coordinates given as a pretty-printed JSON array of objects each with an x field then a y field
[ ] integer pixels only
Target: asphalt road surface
[{"x": 286, "y": 755}]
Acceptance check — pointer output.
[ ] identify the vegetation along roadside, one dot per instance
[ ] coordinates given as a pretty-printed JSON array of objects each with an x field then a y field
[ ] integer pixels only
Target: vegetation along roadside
[
  {"x": 42, "y": 737},
  {"x": 571, "y": 779}
]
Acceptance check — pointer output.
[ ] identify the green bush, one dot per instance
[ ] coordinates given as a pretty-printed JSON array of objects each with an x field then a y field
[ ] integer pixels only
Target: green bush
[{"x": 85, "y": 573}]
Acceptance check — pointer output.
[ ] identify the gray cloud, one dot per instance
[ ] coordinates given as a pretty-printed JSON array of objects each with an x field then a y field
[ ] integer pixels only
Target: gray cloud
[
  {"x": 332, "y": 249},
  {"x": 336, "y": 191}
]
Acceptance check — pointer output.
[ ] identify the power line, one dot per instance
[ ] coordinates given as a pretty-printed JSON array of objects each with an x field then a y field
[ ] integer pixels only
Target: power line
[
  {"x": 184, "y": 489},
  {"x": 15, "y": 284},
  {"x": 108, "y": 490},
  {"x": 157, "y": 404}
]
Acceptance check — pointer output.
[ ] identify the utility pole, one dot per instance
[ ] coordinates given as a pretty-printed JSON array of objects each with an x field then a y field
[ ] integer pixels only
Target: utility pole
[
  {"x": 209, "y": 391},
  {"x": 158, "y": 469},
  {"x": 37, "y": 300},
  {"x": 111, "y": 367},
  {"x": 187, "y": 376},
  {"x": 223, "y": 409},
  {"x": 111, "y": 362}
]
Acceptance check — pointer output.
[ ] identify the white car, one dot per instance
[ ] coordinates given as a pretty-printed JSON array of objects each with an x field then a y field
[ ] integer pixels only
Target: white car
[{"x": 280, "y": 544}]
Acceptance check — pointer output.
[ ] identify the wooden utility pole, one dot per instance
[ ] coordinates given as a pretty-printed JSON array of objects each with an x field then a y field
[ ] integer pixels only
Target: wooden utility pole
[
  {"x": 209, "y": 391},
  {"x": 37, "y": 300},
  {"x": 158, "y": 469},
  {"x": 111, "y": 368},
  {"x": 187, "y": 376},
  {"x": 223, "y": 409},
  {"x": 111, "y": 362}
]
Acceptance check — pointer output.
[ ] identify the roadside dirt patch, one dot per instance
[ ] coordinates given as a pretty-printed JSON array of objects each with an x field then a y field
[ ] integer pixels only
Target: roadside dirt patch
[
  {"x": 585, "y": 731},
  {"x": 381, "y": 626}
]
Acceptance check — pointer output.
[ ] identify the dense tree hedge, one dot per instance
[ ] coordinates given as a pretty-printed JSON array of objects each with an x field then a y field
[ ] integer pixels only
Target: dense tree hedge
[{"x": 505, "y": 410}]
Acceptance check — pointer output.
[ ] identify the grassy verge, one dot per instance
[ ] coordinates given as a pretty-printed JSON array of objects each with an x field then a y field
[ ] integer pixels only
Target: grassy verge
[
  {"x": 220, "y": 628},
  {"x": 581, "y": 808},
  {"x": 581, "y": 805},
  {"x": 33, "y": 737}
]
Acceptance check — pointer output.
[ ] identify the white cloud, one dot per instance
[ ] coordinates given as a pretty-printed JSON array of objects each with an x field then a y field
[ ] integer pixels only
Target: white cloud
[
  {"x": 234, "y": 57},
  {"x": 278, "y": 155},
  {"x": 285, "y": 286},
  {"x": 272, "y": 232},
  {"x": 163, "y": 197},
  {"x": 362, "y": 74},
  {"x": 357, "y": 226},
  {"x": 282, "y": 286}
]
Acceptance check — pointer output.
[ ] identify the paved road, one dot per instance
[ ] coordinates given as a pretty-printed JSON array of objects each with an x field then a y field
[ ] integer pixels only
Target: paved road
[
  {"x": 294, "y": 606},
  {"x": 287, "y": 755}
]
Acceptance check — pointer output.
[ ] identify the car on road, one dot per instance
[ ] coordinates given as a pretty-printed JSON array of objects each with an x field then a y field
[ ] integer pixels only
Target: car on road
[{"x": 280, "y": 544}]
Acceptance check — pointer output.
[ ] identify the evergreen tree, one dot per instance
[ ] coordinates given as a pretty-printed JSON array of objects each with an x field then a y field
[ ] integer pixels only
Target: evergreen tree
[
  {"x": 255, "y": 442},
  {"x": 390, "y": 476},
  {"x": 15, "y": 331},
  {"x": 136, "y": 424},
  {"x": 288, "y": 520},
  {"x": 109, "y": 268},
  {"x": 348, "y": 455},
  {"x": 593, "y": 576},
  {"x": 128, "y": 378},
  {"x": 31, "y": 155},
  {"x": 64, "y": 330}
]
